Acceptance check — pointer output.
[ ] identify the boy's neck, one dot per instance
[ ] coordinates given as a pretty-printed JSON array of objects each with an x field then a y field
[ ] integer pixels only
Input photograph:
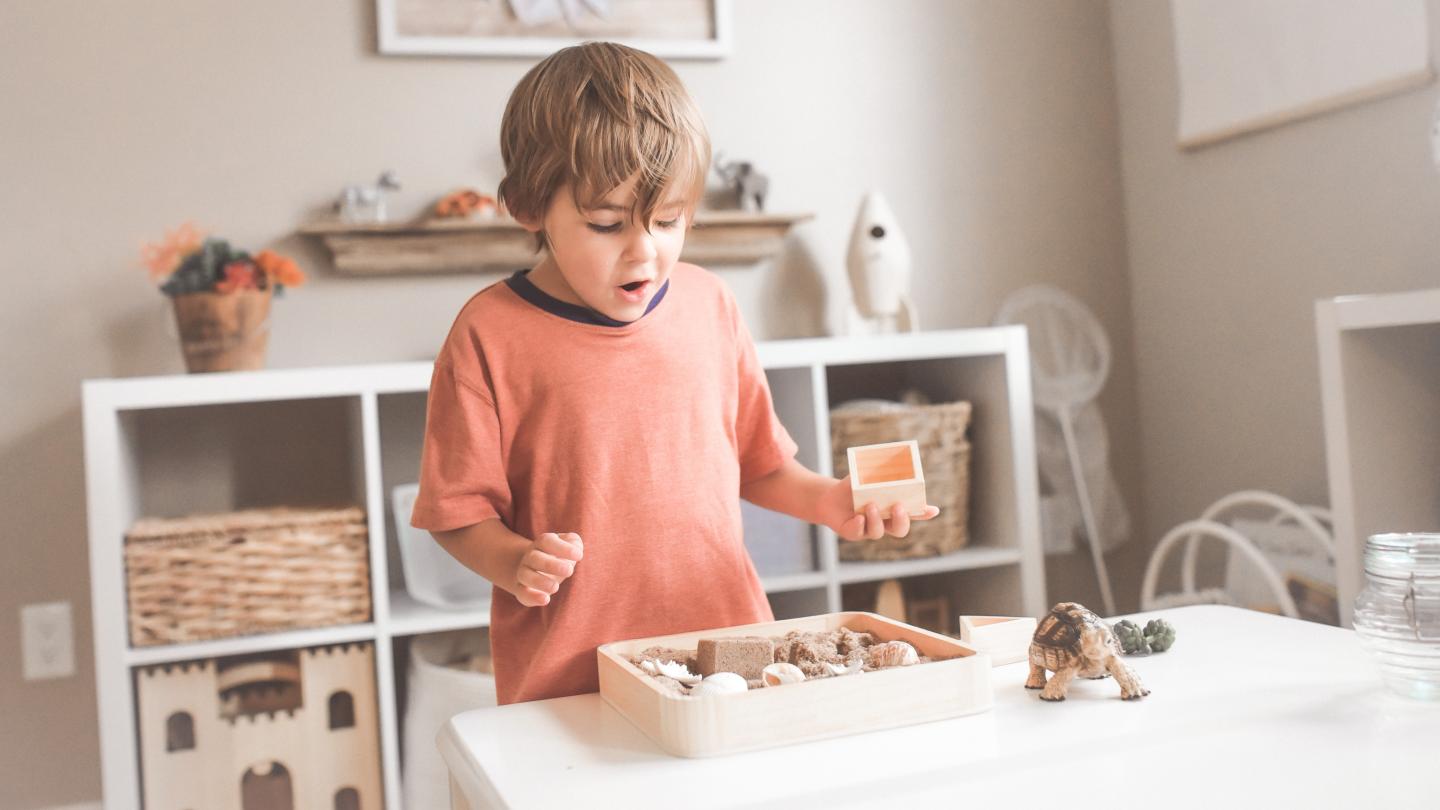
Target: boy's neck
[{"x": 547, "y": 277}]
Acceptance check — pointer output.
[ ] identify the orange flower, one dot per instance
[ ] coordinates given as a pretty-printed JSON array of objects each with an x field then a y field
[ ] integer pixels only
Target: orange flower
[
  {"x": 239, "y": 275},
  {"x": 279, "y": 270},
  {"x": 463, "y": 202},
  {"x": 164, "y": 256}
]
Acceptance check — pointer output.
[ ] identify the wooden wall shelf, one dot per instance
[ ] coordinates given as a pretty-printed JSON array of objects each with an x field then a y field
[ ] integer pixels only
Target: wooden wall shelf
[{"x": 477, "y": 245}]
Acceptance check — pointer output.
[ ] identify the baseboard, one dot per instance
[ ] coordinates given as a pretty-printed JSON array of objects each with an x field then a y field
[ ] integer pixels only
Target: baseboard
[{"x": 81, "y": 806}]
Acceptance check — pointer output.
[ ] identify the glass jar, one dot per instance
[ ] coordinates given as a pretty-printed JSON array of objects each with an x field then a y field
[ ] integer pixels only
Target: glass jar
[{"x": 1397, "y": 614}]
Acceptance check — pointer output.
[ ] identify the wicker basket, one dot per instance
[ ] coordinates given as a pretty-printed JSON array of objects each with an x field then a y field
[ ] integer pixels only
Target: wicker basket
[
  {"x": 944, "y": 454},
  {"x": 241, "y": 573}
]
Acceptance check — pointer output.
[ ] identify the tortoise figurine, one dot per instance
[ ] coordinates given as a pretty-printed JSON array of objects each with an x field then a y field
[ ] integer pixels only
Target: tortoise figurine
[{"x": 1073, "y": 641}]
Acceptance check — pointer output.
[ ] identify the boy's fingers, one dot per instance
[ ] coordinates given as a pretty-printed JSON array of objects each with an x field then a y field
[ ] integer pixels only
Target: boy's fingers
[
  {"x": 529, "y": 597},
  {"x": 576, "y": 542},
  {"x": 557, "y": 546},
  {"x": 899, "y": 521},
  {"x": 530, "y": 578},
  {"x": 852, "y": 528},
  {"x": 546, "y": 564},
  {"x": 874, "y": 526},
  {"x": 930, "y": 512}
]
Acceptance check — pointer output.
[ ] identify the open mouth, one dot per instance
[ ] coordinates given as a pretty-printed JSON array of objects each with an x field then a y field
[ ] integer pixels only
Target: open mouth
[{"x": 633, "y": 286}]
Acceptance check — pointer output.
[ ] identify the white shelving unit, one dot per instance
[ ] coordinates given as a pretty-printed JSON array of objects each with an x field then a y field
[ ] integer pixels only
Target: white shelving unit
[
  {"x": 165, "y": 446},
  {"x": 1380, "y": 389}
]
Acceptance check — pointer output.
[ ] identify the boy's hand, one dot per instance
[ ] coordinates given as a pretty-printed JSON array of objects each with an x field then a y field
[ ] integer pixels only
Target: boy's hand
[
  {"x": 837, "y": 506},
  {"x": 549, "y": 562}
]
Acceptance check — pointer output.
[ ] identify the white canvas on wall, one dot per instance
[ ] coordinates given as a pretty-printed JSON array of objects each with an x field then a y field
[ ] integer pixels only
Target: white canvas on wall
[
  {"x": 670, "y": 29},
  {"x": 1246, "y": 65}
]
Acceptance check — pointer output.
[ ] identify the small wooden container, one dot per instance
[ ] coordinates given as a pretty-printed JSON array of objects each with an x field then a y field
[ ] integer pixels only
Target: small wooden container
[
  {"x": 1005, "y": 638},
  {"x": 888, "y": 474},
  {"x": 817, "y": 709}
]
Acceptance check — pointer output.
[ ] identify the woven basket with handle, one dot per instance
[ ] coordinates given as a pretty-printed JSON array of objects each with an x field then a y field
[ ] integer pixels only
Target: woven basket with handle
[
  {"x": 241, "y": 573},
  {"x": 940, "y": 430}
]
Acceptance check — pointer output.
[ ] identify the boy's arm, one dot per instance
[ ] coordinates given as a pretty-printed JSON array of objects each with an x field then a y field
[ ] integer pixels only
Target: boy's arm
[
  {"x": 529, "y": 570},
  {"x": 815, "y": 498}
]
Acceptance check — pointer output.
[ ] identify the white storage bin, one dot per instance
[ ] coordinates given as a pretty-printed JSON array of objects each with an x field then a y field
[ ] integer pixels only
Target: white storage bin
[
  {"x": 438, "y": 692},
  {"x": 778, "y": 543},
  {"x": 432, "y": 576}
]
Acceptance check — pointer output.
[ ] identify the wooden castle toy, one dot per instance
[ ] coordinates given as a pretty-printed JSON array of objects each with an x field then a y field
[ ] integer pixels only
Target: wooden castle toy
[
  {"x": 283, "y": 731},
  {"x": 887, "y": 474}
]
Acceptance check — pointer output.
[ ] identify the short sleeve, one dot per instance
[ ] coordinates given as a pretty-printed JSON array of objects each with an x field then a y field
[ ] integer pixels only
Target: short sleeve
[
  {"x": 462, "y": 469},
  {"x": 763, "y": 443}
]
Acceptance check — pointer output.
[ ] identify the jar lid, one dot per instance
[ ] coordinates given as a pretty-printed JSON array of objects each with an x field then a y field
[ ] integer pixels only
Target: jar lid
[{"x": 1403, "y": 555}]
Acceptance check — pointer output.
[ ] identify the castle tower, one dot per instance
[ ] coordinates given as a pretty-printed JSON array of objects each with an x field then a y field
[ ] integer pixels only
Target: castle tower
[
  {"x": 184, "y": 744},
  {"x": 342, "y": 726}
]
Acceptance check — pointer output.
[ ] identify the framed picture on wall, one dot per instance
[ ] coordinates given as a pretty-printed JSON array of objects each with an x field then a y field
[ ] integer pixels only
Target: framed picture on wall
[{"x": 670, "y": 29}]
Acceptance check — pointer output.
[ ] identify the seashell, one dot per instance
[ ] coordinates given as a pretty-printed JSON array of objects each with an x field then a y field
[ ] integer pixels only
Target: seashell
[
  {"x": 853, "y": 668},
  {"x": 781, "y": 674},
  {"x": 893, "y": 654},
  {"x": 649, "y": 667},
  {"x": 678, "y": 671},
  {"x": 671, "y": 684},
  {"x": 721, "y": 683}
]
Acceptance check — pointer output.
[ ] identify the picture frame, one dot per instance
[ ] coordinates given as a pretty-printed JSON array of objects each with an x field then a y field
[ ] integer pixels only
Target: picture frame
[{"x": 669, "y": 29}]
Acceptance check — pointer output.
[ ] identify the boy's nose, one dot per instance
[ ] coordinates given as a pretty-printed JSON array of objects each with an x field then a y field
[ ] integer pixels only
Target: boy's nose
[{"x": 641, "y": 247}]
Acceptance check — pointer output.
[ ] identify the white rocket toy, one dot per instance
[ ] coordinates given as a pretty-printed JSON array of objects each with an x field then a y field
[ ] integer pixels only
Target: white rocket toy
[{"x": 879, "y": 265}]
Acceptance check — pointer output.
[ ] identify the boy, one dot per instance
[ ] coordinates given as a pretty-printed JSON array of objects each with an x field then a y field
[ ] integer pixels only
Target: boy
[{"x": 593, "y": 422}]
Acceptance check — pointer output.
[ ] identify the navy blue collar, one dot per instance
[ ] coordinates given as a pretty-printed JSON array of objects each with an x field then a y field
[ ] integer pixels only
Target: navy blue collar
[{"x": 526, "y": 289}]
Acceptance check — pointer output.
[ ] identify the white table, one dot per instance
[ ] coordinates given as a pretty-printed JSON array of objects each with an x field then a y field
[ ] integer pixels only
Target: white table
[{"x": 1247, "y": 710}]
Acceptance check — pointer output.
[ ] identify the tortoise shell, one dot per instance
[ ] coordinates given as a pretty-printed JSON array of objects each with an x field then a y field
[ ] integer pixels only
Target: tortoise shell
[{"x": 1062, "y": 628}]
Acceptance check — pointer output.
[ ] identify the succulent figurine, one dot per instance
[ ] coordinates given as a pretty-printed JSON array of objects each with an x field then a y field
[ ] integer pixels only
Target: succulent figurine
[
  {"x": 1159, "y": 635},
  {"x": 1131, "y": 638},
  {"x": 1074, "y": 641}
]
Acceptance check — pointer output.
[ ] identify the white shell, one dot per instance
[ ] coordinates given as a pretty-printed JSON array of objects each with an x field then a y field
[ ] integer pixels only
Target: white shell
[
  {"x": 721, "y": 683},
  {"x": 649, "y": 667},
  {"x": 780, "y": 674},
  {"x": 679, "y": 672},
  {"x": 893, "y": 654},
  {"x": 853, "y": 668}
]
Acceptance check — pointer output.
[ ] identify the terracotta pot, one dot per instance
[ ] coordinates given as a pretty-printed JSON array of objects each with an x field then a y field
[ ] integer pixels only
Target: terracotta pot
[{"x": 223, "y": 331}]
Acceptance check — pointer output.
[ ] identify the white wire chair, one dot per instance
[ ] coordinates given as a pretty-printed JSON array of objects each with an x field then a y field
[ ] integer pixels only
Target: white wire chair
[{"x": 1313, "y": 519}]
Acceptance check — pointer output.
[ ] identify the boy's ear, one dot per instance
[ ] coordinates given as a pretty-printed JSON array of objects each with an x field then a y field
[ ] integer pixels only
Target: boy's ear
[{"x": 531, "y": 225}]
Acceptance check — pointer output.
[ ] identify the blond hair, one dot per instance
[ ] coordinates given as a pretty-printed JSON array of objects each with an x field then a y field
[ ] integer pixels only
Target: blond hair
[{"x": 591, "y": 116}]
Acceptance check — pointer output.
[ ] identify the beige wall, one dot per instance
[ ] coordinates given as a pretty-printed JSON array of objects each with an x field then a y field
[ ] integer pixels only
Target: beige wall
[
  {"x": 990, "y": 126},
  {"x": 1230, "y": 246}
]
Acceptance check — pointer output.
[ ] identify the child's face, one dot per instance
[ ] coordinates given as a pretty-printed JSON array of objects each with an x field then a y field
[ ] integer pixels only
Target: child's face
[{"x": 601, "y": 259}]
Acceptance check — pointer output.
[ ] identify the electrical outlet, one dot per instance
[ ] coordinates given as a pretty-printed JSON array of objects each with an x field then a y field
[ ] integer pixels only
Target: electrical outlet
[{"x": 49, "y": 641}]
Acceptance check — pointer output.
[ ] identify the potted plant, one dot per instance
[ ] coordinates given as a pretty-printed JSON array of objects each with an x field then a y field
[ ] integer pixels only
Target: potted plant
[{"x": 221, "y": 296}]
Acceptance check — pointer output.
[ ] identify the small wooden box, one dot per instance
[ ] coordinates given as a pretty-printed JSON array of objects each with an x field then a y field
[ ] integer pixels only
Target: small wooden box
[
  {"x": 780, "y": 715},
  {"x": 1006, "y": 639},
  {"x": 887, "y": 474}
]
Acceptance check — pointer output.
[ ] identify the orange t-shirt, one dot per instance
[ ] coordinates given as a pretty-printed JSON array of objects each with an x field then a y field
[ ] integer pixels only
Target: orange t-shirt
[{"x": 635, "y": 437}]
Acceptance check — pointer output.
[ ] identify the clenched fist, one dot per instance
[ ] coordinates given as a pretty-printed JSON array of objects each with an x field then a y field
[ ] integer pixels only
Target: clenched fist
[{"x": 550, "y": 561}]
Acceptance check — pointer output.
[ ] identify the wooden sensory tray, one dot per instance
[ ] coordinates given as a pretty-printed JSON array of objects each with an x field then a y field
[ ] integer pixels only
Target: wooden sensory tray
[{"x": 817, "y": 709}]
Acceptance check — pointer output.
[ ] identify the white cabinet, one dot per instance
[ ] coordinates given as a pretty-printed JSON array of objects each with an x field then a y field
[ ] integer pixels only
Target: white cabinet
[
  {"x": 1380, "y": 389},
  {"x": 166, "y": 446}
]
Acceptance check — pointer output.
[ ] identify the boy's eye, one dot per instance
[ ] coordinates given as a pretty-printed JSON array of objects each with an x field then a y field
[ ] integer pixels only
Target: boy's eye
[
  {"x": 603, "y": 228},
  {"x": 669, "y": 223}
]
